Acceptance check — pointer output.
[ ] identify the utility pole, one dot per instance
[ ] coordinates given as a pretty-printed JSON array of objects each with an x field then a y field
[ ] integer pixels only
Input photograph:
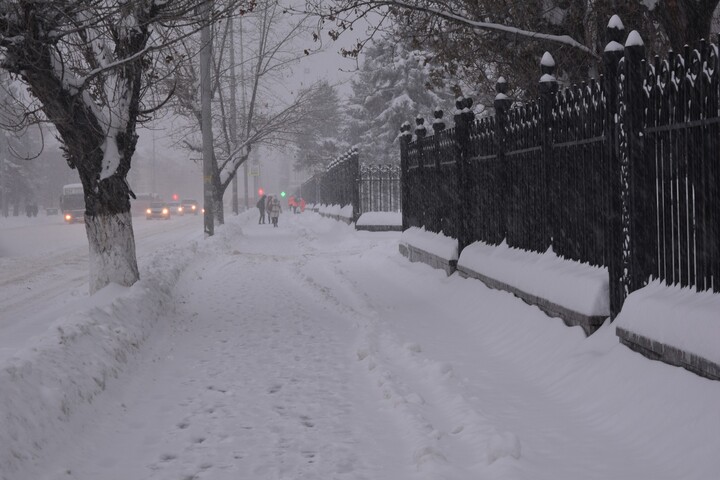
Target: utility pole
[
  {"x": 244, "y": 110},
  {"x": 206, "y": 109},
  {"x": 233, "y": 112}
]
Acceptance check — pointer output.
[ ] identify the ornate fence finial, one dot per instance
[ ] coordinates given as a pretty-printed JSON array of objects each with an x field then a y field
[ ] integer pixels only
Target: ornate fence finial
[
  {"x": 547, "y": 64},
  {"x": 438, "y": 123},
  {"x": 502, "y": 101},
  {"x": 405, "y": 130},
  {"x": 548, "y": 82},
  {"x": 614, "y": 48},
  {"x": 467, "y": 111},
  {"x": 615, "y": 30},
  {"x": 459, "y": 102},
  {"x": 420, "y": 130}
]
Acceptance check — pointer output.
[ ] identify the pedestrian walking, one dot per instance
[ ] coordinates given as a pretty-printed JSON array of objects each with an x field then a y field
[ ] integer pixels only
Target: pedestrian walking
[
  {"x": 261, "y": 206},
  {"x": 274, "y": 210},
  {"x": 267, "y": 206}
]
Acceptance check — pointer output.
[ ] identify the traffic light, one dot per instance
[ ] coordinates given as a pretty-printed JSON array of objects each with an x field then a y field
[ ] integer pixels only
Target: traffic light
[
  {"x": 261, "y": 192},
  {"x": 175, "y": 197},
  {"x": 282, "y": 194}
]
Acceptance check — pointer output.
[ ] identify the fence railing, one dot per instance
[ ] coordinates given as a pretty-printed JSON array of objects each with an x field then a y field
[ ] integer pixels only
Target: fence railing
[
  {"x": 367, "y": 187},
  {"x": 622, "y": 172},
  {"x": 379, "y": 188}
]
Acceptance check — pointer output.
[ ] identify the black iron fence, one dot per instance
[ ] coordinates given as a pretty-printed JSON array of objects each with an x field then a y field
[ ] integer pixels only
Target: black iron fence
[
  {"x": 310, "y": 189},
  {"x": 379, "y": 188},
  {"x": 623, "y": 172},
  {"x": 367, "y": 187}
]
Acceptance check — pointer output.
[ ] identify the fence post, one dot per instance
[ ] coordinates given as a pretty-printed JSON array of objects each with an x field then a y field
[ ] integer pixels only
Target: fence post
[
  {"x": 502, "y": 105},
  {"x": 435, "y": 197},
  {"x": 355, "y": 169},
  {"x": 548, "y": 88},
  {"x": 405, "y": 137},
  {"x": 641, "y": 199},
  {"x": 613, "y": 223},
  {"x": 463, "y": 119},
  {"x": 420, "y": 197}
]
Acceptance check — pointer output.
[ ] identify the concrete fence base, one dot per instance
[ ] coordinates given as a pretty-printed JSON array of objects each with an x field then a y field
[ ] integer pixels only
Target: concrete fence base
[
  {"x": 588, "y": 323},
  {"x": 655, "y": 350},
  {"x": 415, "y": 254}
]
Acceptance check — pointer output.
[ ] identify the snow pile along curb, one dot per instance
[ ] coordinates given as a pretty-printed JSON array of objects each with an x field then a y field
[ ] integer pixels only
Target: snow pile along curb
[{"x": 43, "y": 386}]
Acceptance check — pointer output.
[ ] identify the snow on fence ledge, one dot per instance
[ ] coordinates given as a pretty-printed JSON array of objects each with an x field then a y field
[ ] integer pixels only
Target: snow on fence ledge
[
  {"x": 577, "y": 293},
  {"x": 435, "y": 249},
  {"x": 379, "y": 221},
  {"x": 340, "y": 213},
  {"x": 678, "y": 326}
]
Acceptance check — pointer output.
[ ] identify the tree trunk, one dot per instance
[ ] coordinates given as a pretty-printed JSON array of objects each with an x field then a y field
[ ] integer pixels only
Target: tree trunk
[
  {"x": 686, "y": 21},
  {"x": 217, "y": 198},
  {"x": 112, "y": 250},
  {"x": 108, "y": 224}
]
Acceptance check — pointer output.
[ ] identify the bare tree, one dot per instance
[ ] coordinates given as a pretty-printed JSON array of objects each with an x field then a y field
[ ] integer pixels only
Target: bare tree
[
  {"x": 479, "y": 40},
  {"x": 267, "y": 118},
  {"x": 89, "y": 65}
]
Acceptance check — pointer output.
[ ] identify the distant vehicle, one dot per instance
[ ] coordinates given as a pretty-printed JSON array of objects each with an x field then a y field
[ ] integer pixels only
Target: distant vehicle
[
  {"x": 141, "y": 202},
  {"x": 190, "y": 206},
  {"x": 72, "y": 202},
  {"x": 157, "y": 210},
  {"x": 175, "y": 208}
]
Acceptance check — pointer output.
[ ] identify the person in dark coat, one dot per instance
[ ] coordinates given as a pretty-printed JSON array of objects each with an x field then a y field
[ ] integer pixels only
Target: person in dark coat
[{"x": 261, "y": 206}]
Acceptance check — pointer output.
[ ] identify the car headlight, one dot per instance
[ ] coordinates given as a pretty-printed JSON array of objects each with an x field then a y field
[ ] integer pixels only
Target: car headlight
[
  {"x": 165, "y": 211},
  {"x": 180, "y": 209},
  {"x": 68, "y": 217},
  {"x": 148, "y": 211},
  {"x": 194, "y": 207}
]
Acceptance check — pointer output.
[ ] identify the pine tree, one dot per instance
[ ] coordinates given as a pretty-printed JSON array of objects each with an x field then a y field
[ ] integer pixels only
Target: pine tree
[
  {"x": 393, "y": 86},
  {"x": 320, "y": 141}
]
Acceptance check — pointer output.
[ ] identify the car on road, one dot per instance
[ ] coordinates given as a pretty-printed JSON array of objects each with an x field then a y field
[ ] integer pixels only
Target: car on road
[
  {"x": 158, "y": 210},
  {"x": 176, "y": 208},
  {"x": 190, "y": 206}
]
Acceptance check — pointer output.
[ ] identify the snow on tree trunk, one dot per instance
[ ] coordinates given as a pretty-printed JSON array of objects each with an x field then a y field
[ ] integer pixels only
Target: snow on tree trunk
[{"x": 112, "y": 250}]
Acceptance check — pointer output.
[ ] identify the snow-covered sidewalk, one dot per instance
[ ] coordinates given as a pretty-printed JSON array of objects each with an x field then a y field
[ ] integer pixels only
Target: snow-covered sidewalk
[{"x": 313, "y": 351}]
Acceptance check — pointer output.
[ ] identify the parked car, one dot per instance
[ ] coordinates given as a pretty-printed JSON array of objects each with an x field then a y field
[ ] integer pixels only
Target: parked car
[
  {"x": 175, "y": 208},
  {"x": 158, "y": 210},
  {"x": 190, "y": 206}
]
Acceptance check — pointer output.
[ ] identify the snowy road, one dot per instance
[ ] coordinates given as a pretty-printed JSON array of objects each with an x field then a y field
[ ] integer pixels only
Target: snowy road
[{"x": 313, "y": 351}]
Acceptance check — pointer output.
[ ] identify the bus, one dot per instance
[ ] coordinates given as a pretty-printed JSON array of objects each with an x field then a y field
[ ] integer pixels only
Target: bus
[{"x": 72, "y": 202}]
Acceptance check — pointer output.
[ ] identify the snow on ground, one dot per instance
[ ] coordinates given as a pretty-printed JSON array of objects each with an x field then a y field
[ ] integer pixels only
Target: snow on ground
[{"x": 316, "y": 351}]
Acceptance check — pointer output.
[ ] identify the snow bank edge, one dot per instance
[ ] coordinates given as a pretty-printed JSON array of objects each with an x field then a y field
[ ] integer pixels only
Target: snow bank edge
[{"x": 42, "y": 387}]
